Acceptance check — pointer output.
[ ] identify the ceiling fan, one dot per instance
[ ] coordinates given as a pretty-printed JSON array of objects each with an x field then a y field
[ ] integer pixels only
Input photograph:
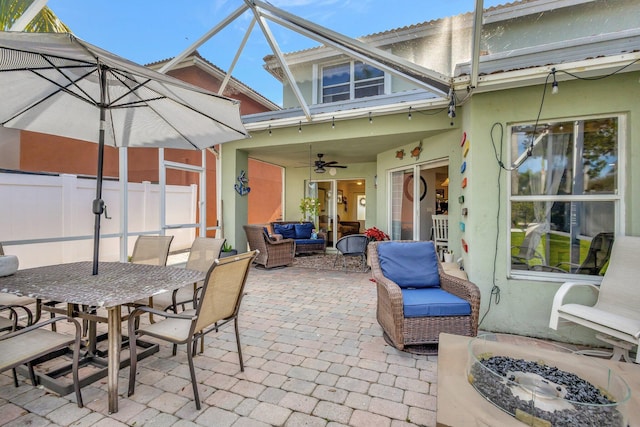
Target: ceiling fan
[{"x": 321, "y": 164}]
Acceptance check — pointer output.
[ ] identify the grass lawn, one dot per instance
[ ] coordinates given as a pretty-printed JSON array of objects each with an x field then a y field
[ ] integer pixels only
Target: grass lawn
[{"x": 559, "y": 248}]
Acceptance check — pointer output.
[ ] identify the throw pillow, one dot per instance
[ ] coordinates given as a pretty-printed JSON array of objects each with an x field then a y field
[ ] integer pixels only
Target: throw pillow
[
  {"x": 303, "y": 231},
  {"x": 410, "y": 265},
  {"x": 287, "y": 231}
]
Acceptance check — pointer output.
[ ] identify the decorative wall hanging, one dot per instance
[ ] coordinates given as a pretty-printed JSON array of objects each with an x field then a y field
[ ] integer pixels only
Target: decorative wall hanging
[
  {"x": 416, "y": 151},
  {"x": 242, "y": 186},
  {"x": 400, "y": 154},
  {"x": 464, "y": 183},
  {"x": 466, "y": 149},
  {"x": 408, "y": 188},
  {"x": 463, "y": 167},
  {"x": 464, "y": 139}
]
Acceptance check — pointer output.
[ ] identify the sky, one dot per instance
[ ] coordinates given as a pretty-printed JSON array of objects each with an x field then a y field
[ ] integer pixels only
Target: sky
[{"x": 150, "y": 31}]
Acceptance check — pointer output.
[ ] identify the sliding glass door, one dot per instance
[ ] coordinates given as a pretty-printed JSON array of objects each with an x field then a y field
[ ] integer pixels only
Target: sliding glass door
[{"x": 414, "y": 201}]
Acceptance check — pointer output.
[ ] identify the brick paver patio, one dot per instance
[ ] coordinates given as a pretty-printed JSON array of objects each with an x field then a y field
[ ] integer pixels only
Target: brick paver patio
[{"x": 314, "y": 356}]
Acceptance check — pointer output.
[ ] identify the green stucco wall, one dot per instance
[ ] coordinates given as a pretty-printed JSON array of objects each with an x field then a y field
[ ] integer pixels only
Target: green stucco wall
[{"x": 524, "y": 306}]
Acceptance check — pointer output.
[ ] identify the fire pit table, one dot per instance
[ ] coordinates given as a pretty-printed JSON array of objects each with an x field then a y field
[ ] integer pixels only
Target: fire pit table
[{"x": 460, "y": 404}]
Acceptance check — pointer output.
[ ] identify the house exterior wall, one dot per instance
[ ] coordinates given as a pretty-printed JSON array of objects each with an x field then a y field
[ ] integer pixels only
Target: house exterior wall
[{"x": 525, "y": 305}]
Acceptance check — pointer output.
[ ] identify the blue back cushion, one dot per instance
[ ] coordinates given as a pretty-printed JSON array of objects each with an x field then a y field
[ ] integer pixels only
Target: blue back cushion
[
  {"x": 410, "y": 265},
  {"x": 303, "y": 231},
  {"x": 430, "y": 302},
  {"x": 286, "y": 230}
]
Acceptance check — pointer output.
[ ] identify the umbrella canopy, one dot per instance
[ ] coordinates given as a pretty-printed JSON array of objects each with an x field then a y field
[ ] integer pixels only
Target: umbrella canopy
[{"x": 58, "y": 84}]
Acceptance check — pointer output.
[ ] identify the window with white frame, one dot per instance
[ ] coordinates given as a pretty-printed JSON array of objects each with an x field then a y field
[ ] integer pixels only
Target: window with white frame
[
  {"x": 351, "y": 80},
  {"x": 565, "y": 197}
]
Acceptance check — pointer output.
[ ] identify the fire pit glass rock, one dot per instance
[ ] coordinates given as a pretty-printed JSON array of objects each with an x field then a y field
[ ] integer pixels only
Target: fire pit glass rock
[{"x": 546, "y": 391}]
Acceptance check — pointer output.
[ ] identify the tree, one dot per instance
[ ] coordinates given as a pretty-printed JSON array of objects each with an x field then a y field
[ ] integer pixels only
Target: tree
[{"x": 44, "y": 22}]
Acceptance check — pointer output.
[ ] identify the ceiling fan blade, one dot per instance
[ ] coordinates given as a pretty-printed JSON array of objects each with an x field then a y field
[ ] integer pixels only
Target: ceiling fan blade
[{"x": 339, "y": 166}]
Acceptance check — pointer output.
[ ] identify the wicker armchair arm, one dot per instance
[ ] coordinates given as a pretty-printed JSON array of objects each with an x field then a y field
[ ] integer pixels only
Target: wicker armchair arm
[
  {"x": 463, "y": 289},
  {"x": 389, "y": 311},
  {"x": 281, "y": 241}
]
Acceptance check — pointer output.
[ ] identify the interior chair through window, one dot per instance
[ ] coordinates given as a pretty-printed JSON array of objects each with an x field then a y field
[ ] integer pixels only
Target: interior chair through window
[{"x": 440, "y": 233}]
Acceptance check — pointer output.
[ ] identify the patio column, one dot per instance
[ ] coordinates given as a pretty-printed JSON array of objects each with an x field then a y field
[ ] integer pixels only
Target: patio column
[{"x": 235, "y": 207}]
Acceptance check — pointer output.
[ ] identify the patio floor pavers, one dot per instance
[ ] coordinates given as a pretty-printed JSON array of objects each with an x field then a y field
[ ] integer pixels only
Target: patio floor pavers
[{"x": 314, "y": 355}]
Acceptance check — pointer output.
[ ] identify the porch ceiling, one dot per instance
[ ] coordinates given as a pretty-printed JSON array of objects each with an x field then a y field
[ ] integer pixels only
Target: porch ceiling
[{"x": 347, "y": 151}]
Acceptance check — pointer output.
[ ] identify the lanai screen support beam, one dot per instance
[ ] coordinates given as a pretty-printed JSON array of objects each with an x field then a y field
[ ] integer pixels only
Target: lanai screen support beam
[
  {"x": 278, "y": 53},
  {"x": 475, "y": 49},
  {"x": 229, "y": 19},
  {"x": 227, "y": 77},
  {"x": 407, "y": 70}
]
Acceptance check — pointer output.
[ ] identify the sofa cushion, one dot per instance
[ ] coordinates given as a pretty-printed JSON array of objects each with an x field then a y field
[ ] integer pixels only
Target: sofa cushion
[
  {"x": 287, "y": 231},
  {"x": 303, "y": 231},
  {"x": 431, "y": 302},
  {"x": 300, "y": 242},
  {"x": 410, "y": 265}
]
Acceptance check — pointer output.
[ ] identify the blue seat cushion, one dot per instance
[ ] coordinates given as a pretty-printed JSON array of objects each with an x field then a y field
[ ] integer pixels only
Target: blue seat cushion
[
  {"x": 431, "y": 302},
  {"x": 287, "y": 231},
  {"x": 308, "y": 241},
  {"x": 303, "y": 231},
  {"x": 410, "y": 265}
]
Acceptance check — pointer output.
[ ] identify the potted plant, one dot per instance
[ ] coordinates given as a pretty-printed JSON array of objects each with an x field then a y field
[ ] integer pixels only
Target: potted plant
[
  {"x": 227, "y": 250},
  {"x": 375, "y": 234},
  {"x": 309, "y": 207}
]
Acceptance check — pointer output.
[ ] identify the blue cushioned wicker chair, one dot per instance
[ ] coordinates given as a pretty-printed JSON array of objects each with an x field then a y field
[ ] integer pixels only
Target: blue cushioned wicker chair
[{"x": 417, "y": 300}]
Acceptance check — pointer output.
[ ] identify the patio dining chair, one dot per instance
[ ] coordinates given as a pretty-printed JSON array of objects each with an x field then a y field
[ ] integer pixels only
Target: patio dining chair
[
  {"x": 353, "y": 245},
  {"x": 7, "y": 299},
  {"x": 218, "y": 303},
  {"x": 152, "y": 250},
  {"x": 26, "y": 345},
  {"x": 204, "y": 250}
]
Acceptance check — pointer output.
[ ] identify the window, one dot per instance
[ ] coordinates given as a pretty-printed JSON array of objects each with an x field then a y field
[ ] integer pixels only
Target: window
[
  {"x": 565, "y": 198},
  {"x": 351, "y": 80}
]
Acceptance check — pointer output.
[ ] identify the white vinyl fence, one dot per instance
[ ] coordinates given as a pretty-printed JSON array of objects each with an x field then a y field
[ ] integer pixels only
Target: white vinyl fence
[{"x": 46, "y": 219}]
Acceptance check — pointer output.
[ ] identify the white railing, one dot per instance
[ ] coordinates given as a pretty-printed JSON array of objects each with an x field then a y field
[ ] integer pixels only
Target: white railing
[{"x": 47, "y": 219}]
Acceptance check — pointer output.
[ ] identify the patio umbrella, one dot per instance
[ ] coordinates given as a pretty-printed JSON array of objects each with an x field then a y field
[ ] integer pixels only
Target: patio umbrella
[{"x": 58, "y": 84}]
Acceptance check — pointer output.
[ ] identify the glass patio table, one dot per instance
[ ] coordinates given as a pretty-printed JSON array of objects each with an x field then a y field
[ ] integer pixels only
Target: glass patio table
[{"x": 115, "y": 284}]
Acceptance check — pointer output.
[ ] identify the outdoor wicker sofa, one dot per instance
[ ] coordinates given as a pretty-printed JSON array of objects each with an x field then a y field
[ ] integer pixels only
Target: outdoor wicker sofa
[
  {"x": 400, "y": 318},
  {"x": 273, "y": 252},
  {"x": 304, "y": 244}
]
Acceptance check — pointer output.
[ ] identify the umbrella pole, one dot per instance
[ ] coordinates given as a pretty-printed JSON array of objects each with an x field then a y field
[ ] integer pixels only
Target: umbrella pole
[{"x": 98, "y": 203}]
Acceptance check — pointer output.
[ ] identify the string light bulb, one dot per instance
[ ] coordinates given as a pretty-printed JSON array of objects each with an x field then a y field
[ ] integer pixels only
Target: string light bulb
[
  {"x": 269, "y": 130},
  {"x": 370, "y": 118},
  {"x": 300, "y": 126},
  {"x": 333, "y": 122},
  {"x": 554, "y": 85},
  {"x": 409, "y": 116}
]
